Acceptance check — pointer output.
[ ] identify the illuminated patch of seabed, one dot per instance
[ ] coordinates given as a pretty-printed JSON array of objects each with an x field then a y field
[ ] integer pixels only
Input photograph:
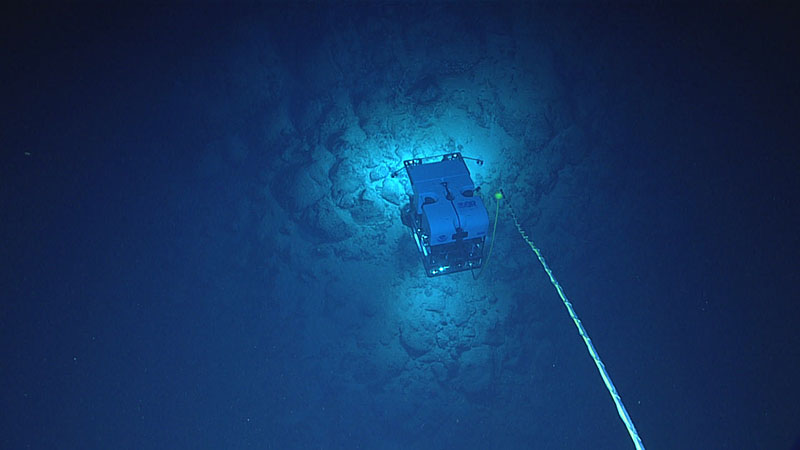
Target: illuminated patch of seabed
[
  {"x": 434, "y": 313},
  {"x": 440, "y": 312},
  {"x": 413, "y": 135}
]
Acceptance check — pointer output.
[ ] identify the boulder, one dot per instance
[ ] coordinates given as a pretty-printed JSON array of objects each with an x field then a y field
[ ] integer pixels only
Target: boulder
[
  {"x": 299, "y": 191},
  {"x": 368, "y": 209},
  {"x": 416, "y": 340},
  {"x": 346, "y": 180},
  {"x": 475, "y": 371},
  {"x": 392, "y": 191},
  {"x": 327, "y": 222},
  {"x": 379, "y": 173}
]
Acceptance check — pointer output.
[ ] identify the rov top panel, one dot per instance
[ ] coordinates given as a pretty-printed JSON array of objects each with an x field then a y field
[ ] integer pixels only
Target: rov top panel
[{"x": 451, "y": 169}]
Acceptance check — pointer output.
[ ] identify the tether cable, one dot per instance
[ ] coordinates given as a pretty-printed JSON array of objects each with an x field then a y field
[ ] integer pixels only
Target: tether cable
[{"x": 612, "y": 390}]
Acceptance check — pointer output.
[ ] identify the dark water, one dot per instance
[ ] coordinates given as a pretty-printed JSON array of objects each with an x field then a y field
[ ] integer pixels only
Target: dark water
[{"x": 202, "y": 249}]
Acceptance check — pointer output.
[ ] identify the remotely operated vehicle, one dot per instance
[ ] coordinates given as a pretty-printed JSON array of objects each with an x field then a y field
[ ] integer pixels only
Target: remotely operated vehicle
[{"x": 448, "y": 220}]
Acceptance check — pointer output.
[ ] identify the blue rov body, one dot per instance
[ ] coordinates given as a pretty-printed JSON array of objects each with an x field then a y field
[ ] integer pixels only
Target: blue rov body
[{"x": 448, "y": 220}]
